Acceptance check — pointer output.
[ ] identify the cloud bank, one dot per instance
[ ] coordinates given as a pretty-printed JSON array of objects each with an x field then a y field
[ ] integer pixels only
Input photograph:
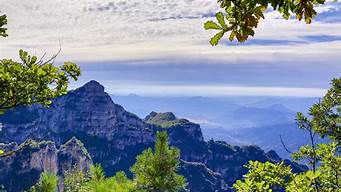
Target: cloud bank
[
  {"x": 162, "y": 43},
  {"x": 91, "y": 30}
]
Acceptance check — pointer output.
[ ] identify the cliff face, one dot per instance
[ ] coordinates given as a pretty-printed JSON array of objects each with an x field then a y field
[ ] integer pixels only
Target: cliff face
[
  {"x": 20, "y": 167},
  {"x": 200, "y": 178},
  {"x": 183, "y": 134},
  {"x": 114, "y": 137}
]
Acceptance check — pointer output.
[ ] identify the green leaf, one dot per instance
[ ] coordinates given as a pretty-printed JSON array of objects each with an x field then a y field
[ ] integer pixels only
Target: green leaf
[
  {"x": 311, "y": 175},
  {"x": 215, "y": 40},
  {"x": 211, "y": 25},
  {"x": 249, "y": 31},
  {"x": 221, "y": 19},
  {"x": 232, "y": 36},
  {"x": 259, "y": 11}
]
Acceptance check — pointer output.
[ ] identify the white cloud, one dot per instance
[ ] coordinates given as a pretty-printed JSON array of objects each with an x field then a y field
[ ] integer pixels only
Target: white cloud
[{"x": 135, "y": 29}]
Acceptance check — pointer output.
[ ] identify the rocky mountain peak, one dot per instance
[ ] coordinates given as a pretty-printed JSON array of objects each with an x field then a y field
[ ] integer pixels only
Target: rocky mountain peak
[
  {"x": 88, "y": 110},
  {"x": 150, "y": 116},
  {"x": 182, "y": 133},
  {"x": 92, "y": 87}
]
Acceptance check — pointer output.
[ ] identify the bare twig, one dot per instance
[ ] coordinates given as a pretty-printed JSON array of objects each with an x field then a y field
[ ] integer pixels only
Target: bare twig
[
  {"x": 284, "y": 146},
  {"x": 41, "y": 59},
  {"x": 53, "y": 58}
]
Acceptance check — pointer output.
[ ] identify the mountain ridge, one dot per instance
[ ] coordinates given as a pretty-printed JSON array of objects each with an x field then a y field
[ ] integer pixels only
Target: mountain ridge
[{"x": 114, "y": 137}]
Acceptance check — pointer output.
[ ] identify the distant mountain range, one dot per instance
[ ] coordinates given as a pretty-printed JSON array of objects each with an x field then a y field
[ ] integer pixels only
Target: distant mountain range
[
  {"x": 236, "y": 120},
  {"x": 86, "y": 126}
]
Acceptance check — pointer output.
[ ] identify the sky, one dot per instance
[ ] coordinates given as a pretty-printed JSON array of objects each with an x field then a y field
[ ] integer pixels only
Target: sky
[{"x": 159, "y": 47}]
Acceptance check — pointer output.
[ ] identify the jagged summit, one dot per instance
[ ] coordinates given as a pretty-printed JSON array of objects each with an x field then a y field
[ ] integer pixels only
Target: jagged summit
[{"x": 92, "y": 86}]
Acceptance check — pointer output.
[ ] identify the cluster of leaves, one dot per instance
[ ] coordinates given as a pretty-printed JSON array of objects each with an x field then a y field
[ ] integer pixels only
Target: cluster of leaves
[
  {"x": 156, "y": 171},
  {"x": 278, "y": 177},
  {"x": 3, "y": 29},
  {"x": 326, "y": 176},
  {"x": 324, "y": 159},
  {"x": 33, "y": 81},
  {"x": 326, "y": 114},
  {"x": 264, "y": 177},
  {"x": 241, "y": 17}
]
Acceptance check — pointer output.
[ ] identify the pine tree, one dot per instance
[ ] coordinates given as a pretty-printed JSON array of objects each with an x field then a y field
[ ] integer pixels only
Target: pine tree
[
  {"x": 157, "y": 171},
  {"x": 48, "y": 182},
  {"x": 97, "y": 173}
]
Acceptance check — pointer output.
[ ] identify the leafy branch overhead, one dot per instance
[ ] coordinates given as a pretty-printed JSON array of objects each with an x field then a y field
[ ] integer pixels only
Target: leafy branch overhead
[
  {"x": 30, "y": 80},
  {"x": 33, "y": 81},
  {"x": 241, "y": 17}
]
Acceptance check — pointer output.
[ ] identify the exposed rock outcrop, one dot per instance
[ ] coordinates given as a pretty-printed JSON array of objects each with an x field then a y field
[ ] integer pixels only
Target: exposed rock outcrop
[
  {"x": 183, "y": 134},
  {"x": 200, "y": 178},
  {"x": 21, "y": 168}
]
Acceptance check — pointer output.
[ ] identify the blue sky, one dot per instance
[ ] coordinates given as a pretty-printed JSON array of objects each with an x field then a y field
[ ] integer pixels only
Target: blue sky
[{"x": 159, "y": 47}]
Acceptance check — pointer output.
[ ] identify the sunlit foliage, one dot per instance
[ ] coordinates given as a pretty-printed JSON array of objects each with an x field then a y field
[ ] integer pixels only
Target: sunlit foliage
[
  {"x": 240, "y": 17},
  {"x": 157, "y": 170}
]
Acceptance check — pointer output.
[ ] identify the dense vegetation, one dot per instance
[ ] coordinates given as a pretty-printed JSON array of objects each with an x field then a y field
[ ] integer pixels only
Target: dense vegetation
[{"x": 241, "y": 17}]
